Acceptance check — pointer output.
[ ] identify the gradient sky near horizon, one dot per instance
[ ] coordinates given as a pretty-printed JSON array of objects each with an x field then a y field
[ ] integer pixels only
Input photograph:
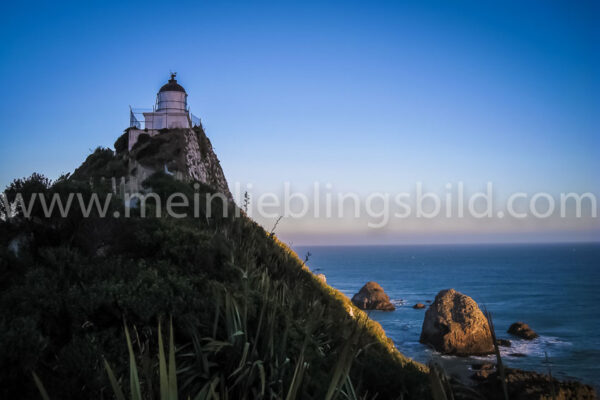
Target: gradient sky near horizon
[{"x": 365, "y": 95}]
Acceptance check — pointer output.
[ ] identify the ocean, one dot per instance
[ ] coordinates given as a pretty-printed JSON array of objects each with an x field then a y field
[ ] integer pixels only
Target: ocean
[{"x": 552, "y": 287}]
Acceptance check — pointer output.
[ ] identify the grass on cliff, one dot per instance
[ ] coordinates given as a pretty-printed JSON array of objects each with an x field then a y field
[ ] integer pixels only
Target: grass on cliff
[{"x": 249, "y": 318}]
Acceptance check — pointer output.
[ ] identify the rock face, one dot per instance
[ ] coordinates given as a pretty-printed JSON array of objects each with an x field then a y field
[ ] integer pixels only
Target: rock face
[
  {"x": 522, "y": 330},
  {"x": 455, "y": 325},
  {"x": 185, "y": 153},
  {"x": 372, "y": 297}
]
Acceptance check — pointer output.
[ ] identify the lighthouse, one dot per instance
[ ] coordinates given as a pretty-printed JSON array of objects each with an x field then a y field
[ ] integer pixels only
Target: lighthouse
[{"x": 169, "y": 112}]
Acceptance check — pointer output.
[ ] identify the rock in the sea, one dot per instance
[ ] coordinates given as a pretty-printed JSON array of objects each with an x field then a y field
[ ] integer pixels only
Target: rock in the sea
[
  {"x": 522, "y": 330},
  {"x": 419, "y": 306},
  {"x": 372, "y": 297},
  {"x": 455, "y": 325},
  {"x": 504, "y": 342}
]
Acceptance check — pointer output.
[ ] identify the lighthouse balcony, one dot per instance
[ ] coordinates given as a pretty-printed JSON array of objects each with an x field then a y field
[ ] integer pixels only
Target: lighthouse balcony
[{"x": 152, "y": 121}]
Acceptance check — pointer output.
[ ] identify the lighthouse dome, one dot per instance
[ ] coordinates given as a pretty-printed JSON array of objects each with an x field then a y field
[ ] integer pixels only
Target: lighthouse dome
[
  {"x": 172, "y": 86},
  {"x": 171, "y": 97}
]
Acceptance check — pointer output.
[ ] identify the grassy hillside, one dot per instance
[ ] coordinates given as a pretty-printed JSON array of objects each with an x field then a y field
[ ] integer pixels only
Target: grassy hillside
[{"x": 250, "y": 320}]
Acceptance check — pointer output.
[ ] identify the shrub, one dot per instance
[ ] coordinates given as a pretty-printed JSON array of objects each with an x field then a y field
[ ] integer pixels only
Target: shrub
[
  {"x": 102, "y": 163},
  {"x": 122, "y": 143}
]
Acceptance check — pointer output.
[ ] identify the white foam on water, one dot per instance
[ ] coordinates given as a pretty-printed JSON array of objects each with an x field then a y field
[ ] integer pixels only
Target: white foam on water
[
  {"x": 537, "y": 347},
  {"x": 398, "y": 302}
]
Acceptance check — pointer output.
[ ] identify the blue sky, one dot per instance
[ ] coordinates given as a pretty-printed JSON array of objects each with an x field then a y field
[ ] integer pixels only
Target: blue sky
[{"x": 369, "y": 96}]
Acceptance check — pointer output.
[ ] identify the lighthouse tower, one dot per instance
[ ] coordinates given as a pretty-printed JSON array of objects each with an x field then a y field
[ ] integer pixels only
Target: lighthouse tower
[
  {"x": 170, "y": 112},
  {"x": 171, "y": 108}
]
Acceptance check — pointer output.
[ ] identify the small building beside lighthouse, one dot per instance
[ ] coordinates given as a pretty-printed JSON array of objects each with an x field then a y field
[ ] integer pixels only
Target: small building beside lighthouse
[{"x": 169, "y": 112}]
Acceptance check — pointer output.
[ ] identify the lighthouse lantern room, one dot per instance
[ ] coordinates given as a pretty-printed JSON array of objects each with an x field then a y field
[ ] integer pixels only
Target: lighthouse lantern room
[{"x": 169, "y": 112}]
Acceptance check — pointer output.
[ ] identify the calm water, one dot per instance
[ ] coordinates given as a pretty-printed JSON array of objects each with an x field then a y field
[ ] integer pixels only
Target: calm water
[{"x": 553, "y": 288}]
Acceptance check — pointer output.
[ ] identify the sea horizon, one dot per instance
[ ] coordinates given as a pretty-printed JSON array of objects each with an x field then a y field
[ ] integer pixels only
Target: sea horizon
[{"x": 448, "y": 244}]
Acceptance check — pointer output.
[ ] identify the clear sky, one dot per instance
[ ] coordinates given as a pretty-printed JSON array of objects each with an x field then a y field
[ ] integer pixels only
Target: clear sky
[{"x": 368, "y": 96}]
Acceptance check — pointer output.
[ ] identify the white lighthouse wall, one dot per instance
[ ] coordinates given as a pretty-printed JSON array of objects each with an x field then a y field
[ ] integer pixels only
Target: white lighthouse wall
[
  {"x": 171, "y": 101},
  {"x": 171, "y": 112},
  {"x": 166, "y": 119}
]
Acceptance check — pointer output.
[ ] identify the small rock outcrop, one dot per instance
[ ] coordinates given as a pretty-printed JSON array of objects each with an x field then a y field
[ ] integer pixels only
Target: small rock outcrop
[
  {"x": 419, "y": 306},
  {"x": 529, "y": 385},
  {"x": 504, "y": 342},
  {"x": 522, "y": 330},
  {"x": 455, "y": 325},
  {"x": 372, "y": 297},
  {"x": 483, "y": 371}
]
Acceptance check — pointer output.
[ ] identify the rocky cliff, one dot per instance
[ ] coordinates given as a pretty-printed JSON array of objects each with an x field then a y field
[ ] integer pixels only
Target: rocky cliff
[{"x": 186, "y": 154}]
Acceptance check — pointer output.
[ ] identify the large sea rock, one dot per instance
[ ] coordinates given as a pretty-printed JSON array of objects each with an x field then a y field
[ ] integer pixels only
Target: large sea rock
[
  {"x": 455, "y": 325},
  {"x": 372, "y": 297}
]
